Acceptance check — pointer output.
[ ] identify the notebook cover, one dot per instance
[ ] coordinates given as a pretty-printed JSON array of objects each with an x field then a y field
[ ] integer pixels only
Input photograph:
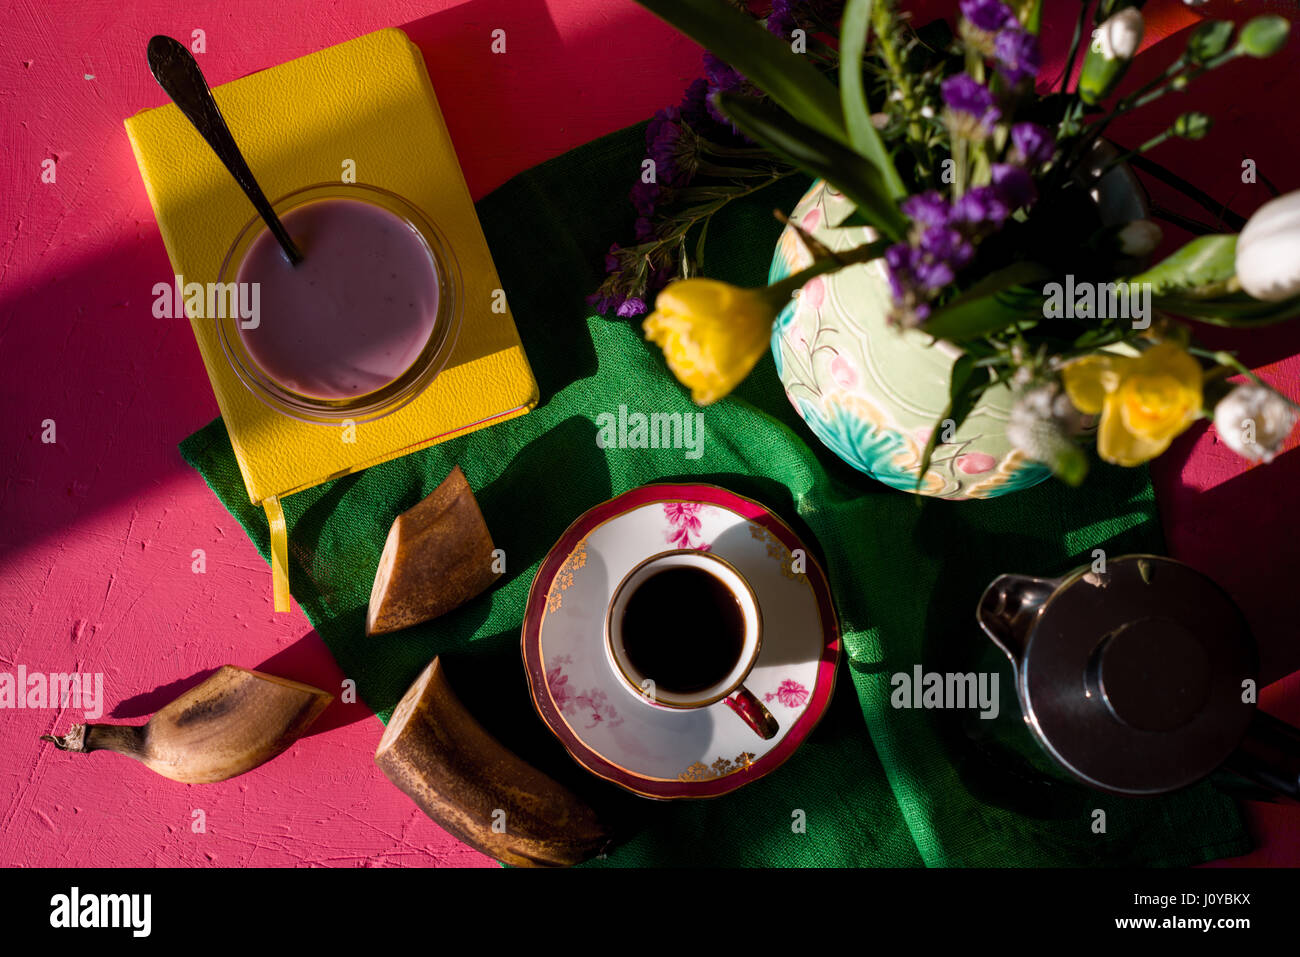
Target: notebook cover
[{"x": 368, "y": 101}]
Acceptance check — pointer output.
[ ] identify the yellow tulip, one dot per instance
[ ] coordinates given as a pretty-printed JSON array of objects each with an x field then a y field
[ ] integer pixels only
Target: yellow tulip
[
  {"x": 1145, "y": 402},
  {"x": 712, "y": 333}
]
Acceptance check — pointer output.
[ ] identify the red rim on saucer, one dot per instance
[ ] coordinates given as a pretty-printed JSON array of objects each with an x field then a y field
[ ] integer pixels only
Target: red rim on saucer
[{"x": 590, "y": 746}]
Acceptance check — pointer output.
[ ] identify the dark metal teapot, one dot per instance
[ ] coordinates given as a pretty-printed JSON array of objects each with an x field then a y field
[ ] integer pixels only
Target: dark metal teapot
[{"x": 1139, "y": 679}]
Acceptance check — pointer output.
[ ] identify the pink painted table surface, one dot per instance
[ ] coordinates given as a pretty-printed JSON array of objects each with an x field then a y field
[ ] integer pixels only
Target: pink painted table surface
[{"x": 98, "y": 529}]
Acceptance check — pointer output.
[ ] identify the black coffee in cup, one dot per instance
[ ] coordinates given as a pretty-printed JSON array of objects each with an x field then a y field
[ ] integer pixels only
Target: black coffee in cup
[{"x": 684, "y": 629}]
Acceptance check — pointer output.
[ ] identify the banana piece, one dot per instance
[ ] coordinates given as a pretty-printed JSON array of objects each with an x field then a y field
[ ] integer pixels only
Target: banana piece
[
  {"x": 229, "y": 724},
  {"x": 438, "y": 555},
  {"x": 477, "y": 790}
]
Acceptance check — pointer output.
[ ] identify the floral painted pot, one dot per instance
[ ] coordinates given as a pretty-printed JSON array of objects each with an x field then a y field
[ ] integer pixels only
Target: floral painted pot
[{"x": 872, "y": 393}]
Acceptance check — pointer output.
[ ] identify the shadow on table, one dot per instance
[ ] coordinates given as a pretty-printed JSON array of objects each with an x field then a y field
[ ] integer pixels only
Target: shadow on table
[
  {"x": 308, "y": 660},
  {"x": 1245, "y": 534}
]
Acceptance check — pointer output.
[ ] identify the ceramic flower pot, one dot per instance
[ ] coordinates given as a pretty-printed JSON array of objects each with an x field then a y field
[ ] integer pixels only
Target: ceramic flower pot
[{"x": 872, "y": 393}]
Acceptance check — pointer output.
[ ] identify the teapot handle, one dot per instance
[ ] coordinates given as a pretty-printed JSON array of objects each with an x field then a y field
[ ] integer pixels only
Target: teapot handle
[
  {"x": 1008, "y": 611},
  {"x": 1270, "y": 755}
]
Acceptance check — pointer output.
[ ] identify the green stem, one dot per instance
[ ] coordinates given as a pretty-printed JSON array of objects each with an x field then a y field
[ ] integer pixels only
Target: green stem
[
  {"x": 881, "y": 17},
  {"x": 1203, "y": 199},
  {"x": 958, "y": 166},
  {"x": 1125, "y": 105},
  {"x": 1074, "y": 45},
  {"x": 1125, "y": 157},
  {"x": 1193, "y": 226},
  {"x": 783, "y": 290},
  {"x": 1231, "y": 361}
]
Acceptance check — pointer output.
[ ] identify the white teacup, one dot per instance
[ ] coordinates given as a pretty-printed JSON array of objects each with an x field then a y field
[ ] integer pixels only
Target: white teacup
[{"x": 729, "y": 687}]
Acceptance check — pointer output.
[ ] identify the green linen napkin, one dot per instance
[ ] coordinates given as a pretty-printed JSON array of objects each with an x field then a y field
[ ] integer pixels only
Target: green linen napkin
[{"x": 876, "y": 786}]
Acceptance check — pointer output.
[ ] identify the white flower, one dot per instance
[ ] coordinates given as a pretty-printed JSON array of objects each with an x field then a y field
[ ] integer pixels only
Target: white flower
[
  {"x": 1041, "y": 425},
  {"x": 1139, "y": 237},
  {"x": 1268, "y": 250},
  {"x": 1255, "y": 421},
  {"x": 1120, "y": 36}
]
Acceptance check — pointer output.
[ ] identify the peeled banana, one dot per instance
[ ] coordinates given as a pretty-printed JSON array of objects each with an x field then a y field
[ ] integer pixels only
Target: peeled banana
[
  {"x": 477, "y": 790},
  {"x": 229, "y": 724},
  {"x": 438, "y": 556}
]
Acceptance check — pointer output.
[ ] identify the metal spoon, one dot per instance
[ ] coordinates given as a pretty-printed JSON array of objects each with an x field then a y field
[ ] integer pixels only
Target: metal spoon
[{"x": 181, "y": 79}]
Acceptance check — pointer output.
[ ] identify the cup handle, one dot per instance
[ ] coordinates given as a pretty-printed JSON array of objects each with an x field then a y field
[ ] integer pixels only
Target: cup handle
[{"x": 754, "y": 713}]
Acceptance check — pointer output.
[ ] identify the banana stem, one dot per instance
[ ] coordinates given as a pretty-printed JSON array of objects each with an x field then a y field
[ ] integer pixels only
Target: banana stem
[{"x": 125, "y": 739}]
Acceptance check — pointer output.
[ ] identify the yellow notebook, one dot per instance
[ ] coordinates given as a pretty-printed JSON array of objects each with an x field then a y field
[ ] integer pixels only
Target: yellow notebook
[{"x": 365, "y": 106}]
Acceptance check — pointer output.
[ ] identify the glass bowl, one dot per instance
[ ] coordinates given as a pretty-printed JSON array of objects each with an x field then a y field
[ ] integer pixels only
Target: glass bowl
[{"x": 408, "y": 384}]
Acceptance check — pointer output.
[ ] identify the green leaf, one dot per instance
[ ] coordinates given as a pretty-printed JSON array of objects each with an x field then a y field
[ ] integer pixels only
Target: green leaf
[
  {"x": 973, "y": 318},
  {"x": 964, "y": 389},
  {"x": 854, "y": 218},
  {"x": 857, "y": 113},
  {"x": 1209, "y": 40},
  {"x": 789, "y": 79},
  {"x": 1016, "y": 274},
  {"x": 1238, "y": 311},
  {"x": 1204, "y": 261},
  {"x": 818, "y": 155}
]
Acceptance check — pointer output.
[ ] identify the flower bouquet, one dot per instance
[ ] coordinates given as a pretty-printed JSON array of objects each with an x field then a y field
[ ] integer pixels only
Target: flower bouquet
[{"x": 976, "y": 197}]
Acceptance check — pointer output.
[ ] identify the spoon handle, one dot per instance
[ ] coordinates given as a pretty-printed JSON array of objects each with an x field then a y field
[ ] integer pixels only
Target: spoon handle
[{"x": 181, "y": 79}]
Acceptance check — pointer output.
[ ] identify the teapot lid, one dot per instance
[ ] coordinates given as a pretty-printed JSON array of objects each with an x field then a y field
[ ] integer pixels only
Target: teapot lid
[{"x": 1134, "y": 678}]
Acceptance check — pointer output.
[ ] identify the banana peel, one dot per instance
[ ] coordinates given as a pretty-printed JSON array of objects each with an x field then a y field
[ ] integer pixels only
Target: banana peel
[
  {"x": 438, "y": 555},
  {"x": 234, "y": 721},
  {"x": 478, "y": 790}
]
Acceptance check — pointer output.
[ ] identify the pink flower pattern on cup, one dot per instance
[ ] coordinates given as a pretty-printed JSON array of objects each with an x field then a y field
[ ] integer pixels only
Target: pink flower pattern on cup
[
  {"x": 843, "y": 372},
  {"x": 593, "y": 704},
  {"x": 814, "y": 292},
  {"x": 789, "y": 693},
  {"x": 684, "y": 521},
  {"x": 974, "y": 463}
]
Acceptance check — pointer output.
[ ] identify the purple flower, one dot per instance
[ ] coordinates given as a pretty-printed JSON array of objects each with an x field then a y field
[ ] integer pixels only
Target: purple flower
[
  {"x": 1031, "y": 144},
  {"x": 721, "y": 79},
  {"x": 611, "y": 258},
  {"x": 634, "y": 306},
  {"x": 970, "y": 104},
  {"x": 918, "y": 272},
  {"x": 644, "y": 196},
  {"x": 781, "y": 20},
  {"x": 899, "y": 259},
  {"x": 1017, "y": 53},
  {"x": 981, "y": 206},
  {"x": 910, "y": 291},
  {"x": 933, "y": 274},
  {"x": 1014, "y": 185},
  {"x": 945, "y": 245},
  {"x": 987, "y": 15},
  {"x": 963, "y": 94},
  {"x": 928, "y": 209},
  {"x": 695, "y": 105},
  {"x": 666, "y": 145}
]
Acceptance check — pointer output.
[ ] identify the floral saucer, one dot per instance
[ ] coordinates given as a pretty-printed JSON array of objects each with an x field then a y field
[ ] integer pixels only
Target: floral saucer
[{"x": 607, "y": 727}]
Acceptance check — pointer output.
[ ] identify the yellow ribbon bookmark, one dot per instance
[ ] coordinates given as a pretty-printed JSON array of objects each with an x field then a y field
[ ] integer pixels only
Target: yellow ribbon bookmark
[{"x": 279, "y": 551}]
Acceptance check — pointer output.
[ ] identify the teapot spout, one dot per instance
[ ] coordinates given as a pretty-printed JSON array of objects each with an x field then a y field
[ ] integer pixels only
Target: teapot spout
[{"x": 1009, "y": 608}]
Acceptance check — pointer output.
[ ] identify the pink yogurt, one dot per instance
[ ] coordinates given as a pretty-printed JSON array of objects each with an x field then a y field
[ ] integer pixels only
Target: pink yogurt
[{"x": 355, "y": 313}]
